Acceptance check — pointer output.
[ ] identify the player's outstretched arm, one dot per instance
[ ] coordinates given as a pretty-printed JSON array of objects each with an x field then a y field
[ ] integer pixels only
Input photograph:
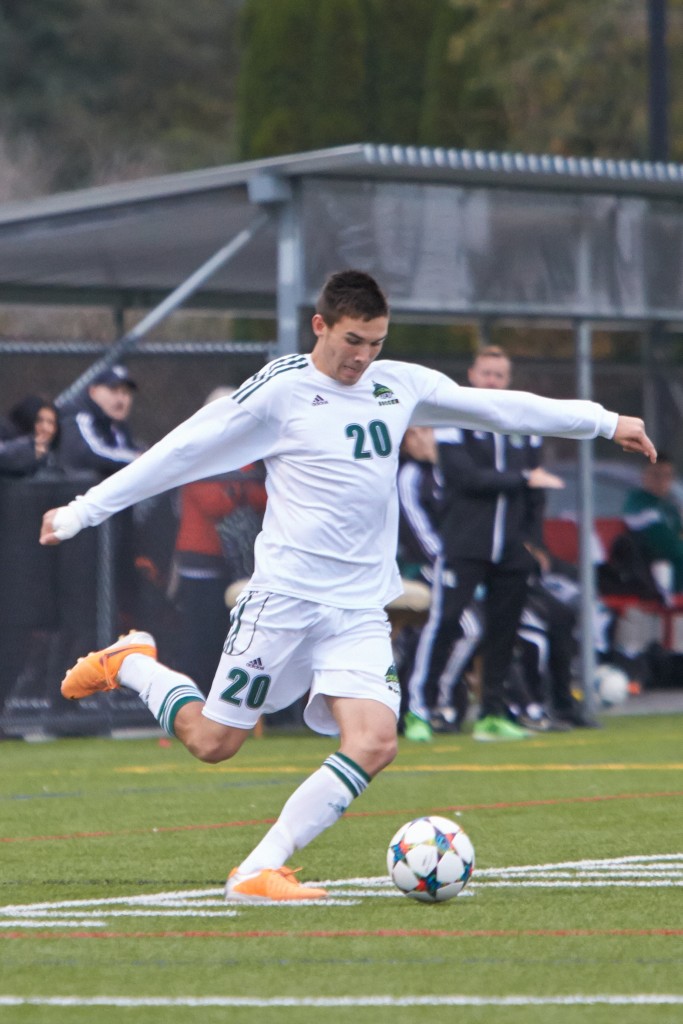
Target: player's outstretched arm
[{"x": 630, "y": 435}]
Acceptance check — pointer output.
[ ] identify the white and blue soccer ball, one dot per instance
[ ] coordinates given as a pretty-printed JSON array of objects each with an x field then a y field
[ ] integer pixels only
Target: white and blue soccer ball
[
  {"x": 611, "y": 685},
  {"x": 430, "y": 859}
]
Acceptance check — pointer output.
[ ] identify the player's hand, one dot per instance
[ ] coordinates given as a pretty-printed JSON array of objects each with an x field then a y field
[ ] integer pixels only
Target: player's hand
[
  {"x": 47, "y": 531},
  {"x": 630, "y": 435},
  {"x": 540, "y": 477},
  {"x": 59, "y": 524}
]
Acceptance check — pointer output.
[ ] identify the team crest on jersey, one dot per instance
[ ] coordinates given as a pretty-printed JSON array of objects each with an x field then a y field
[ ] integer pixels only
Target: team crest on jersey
[{"x": 383, "y": 394}]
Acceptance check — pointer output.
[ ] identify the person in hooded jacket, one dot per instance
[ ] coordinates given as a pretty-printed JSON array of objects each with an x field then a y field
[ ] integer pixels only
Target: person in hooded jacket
[
  {"x": 29, "y": 438},
  {"x": 95, "y": 431},
  {"x": 96, "y": 437}
]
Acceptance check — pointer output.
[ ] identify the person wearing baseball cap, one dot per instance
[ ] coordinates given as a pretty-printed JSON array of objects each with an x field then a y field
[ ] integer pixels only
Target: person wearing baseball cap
[
  {"x": 96, "y": 437},
  {"x": 95, "y": 431},
  {"x": 115, "y": 377}
]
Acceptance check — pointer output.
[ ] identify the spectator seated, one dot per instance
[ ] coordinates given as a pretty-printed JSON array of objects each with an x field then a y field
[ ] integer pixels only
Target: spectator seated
[{"x": 620, "y": 591}]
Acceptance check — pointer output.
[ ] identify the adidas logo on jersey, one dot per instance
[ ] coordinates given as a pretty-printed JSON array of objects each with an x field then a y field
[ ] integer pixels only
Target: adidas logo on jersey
[
  {"x": 256, "y": 663},
  {"x": 319, "y": 400}
]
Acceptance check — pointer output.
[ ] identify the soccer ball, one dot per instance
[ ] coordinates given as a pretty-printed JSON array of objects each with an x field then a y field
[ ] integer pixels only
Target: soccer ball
[
  {"x": 430, "y": 859},
  {"x": 611, "y": 685}
]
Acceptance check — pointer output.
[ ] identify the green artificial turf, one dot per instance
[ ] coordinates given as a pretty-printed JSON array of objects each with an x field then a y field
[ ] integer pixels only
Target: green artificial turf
[{"x": 102, "y": 820}]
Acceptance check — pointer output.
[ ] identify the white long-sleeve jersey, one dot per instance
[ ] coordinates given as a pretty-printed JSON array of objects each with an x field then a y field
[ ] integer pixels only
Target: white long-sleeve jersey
[{"x": 331, "y": 454}]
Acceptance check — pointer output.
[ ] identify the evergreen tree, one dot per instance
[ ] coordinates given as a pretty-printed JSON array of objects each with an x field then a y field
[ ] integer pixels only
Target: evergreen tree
[
  {"x": 398, "y": 51},
  {"x": 275, "y": 88},
  {"x": 339, "y": 108},
  {"x": 459, "y": 109}
]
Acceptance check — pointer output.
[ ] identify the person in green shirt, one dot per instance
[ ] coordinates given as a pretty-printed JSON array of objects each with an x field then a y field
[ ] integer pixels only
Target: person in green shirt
[{"x": 652, "y": 514}]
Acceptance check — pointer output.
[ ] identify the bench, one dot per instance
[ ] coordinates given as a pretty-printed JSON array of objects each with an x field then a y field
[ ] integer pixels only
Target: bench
[{"x": 561, "y": 538}]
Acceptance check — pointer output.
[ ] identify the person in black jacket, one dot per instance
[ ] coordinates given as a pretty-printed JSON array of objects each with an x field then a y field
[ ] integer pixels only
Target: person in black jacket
[
  {"x": 96, "y": 437},
  {"x": 95, "y": 431},
  {"x": 419, "y": 547},
  {"x": 492, "y": 506},
  {"x": 20, "y": 419},
  {"x": 29, "y": 438}
]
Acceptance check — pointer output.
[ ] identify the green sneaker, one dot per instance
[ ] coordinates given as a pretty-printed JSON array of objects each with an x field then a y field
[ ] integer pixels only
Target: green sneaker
[
  {"x": 416, "y": 729},
  {"x": 493, "y": 728}
]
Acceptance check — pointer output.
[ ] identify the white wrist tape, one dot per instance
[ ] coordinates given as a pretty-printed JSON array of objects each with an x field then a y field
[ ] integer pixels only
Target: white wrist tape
[{"x": 66, "y": 523}]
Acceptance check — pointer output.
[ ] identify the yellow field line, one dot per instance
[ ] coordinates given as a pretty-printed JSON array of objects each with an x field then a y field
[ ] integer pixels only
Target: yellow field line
[{"x": 289, "y": 769}]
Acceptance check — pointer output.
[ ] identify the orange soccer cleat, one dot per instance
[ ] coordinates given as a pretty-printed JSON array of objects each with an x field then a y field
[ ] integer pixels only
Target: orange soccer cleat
[
  {"x": 270, "y": 884},
  {"x": 98, "y": 670}
]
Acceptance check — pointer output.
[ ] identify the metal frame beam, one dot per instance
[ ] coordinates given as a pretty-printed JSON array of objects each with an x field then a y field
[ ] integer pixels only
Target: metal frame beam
[{"x": 176, "y": 298}]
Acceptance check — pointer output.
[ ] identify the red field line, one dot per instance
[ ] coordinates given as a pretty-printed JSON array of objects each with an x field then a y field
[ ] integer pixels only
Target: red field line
[
  {"x": 498, "y": 806},
  {"x": 354, "y": 933}
]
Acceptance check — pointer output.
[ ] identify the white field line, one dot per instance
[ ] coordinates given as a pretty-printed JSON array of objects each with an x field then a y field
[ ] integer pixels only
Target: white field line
[
  {"x": 580, "y": 884},
  {"x": 604, "y": 862},
  {"x": 636, "y": 872},
  {"x": 88, "y": 916},
  {"x": 642, "y": 999},
  {"x": 27, "y": 922},
  {"x": 194, "y": 894}
]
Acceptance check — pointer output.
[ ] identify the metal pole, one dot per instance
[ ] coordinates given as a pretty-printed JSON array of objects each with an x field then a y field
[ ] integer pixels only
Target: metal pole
[
  {"x": 288, "y": 277},
  {"x": 586, "y": 570},
  {"x": 659, "y": 81},
  {"x": 648, "y": 352},
  {"x": 106, "y": 596},
  {"x": 168, "y": 305}
]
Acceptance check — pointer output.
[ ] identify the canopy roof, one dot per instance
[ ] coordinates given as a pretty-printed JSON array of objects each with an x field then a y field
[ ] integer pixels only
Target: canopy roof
[{"x": 448, "y": 232}]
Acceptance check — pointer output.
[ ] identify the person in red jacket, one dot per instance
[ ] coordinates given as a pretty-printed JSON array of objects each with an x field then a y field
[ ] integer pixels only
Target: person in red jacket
[{"x": 219, "y": 520}]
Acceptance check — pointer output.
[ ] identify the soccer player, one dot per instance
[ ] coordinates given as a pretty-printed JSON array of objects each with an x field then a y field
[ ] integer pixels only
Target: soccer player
[{"x": 328, "y": 426}]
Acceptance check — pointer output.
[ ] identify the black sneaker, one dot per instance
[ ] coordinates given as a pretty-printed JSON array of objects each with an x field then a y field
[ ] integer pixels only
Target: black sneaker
[
  {"x": 537, "y": 723},
  {"x": 578, "y": 719},
  {"x": 444, "y": 720}
]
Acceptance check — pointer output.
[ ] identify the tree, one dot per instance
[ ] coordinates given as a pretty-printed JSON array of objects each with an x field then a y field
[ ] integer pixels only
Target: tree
[
  {"x": 459, "y": 109},
  {"x": 568, "y": 78},
  {"x": 397, "y": 55},
  {"x": 528, "y": 75},
  {"x": 339, "y": 108},
  {"x": 275, "y": 82}
]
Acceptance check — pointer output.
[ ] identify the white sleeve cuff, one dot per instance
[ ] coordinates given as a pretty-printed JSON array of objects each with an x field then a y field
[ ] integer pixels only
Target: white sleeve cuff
[
  {"x": 67, "y": 521},
  {"x": 608, "y": 424}
]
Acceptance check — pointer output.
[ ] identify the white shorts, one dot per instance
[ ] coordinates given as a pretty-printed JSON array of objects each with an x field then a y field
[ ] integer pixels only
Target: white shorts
[{"x": 280, "y": 648}]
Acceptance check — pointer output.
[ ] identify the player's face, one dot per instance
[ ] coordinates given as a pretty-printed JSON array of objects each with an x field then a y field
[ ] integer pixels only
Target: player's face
[
  {"x": 490, "y": 372},
  {"x": 345, "y": 350}
]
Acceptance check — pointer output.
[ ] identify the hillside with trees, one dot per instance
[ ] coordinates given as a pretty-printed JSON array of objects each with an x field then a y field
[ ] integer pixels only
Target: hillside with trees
[{"x": 93, "y": 91}]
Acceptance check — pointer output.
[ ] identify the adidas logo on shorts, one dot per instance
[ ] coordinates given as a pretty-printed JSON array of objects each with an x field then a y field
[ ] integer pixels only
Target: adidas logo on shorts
[{"x": 256, "y": 663}]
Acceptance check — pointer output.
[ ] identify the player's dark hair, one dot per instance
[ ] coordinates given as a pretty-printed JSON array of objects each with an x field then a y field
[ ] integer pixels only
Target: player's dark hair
[{"x": 351, "y": 293}]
